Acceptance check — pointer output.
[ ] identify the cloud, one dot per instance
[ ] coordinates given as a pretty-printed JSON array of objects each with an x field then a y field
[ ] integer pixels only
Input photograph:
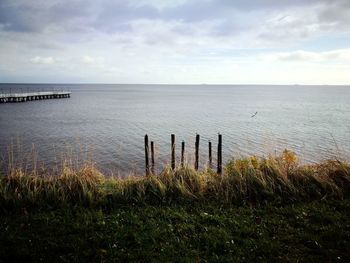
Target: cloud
[
  {"x": 341, "y": 55},
  {"x": 91, "y": 37},
  {"x": 115, "y": 16},
  {"x": 40, "y": 15},
  {"x": 42, "y": 60},
  {"x": 88, "y": 60},
  {"x": 95, "y": 62},
  {"x": 336, "y": 13}
]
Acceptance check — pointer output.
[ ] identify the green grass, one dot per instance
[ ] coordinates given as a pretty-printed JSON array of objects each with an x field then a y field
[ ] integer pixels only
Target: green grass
[
  {"x": 268, "y": 209},
  {"x": 317, "y": 231}
]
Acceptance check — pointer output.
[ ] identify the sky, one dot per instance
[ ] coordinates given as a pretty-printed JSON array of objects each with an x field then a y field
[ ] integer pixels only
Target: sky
[{"x": 175, "y": 41}]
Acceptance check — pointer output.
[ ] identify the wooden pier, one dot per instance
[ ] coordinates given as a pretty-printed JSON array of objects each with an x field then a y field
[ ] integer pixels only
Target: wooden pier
[{"x": 29, "y": 96}]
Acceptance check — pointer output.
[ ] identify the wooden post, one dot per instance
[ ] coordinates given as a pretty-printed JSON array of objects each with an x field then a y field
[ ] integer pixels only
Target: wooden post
[
  {"x": 152, "y": 157},
  {"x": 182, "y": 153},
  {"x": 146, "y": 154},
  {"x": 220, "y": 153},
  {"x": 210, "y": 156},
  {"x": 173, "y": 151},
  {"x": 196, "y": 153},
  {"x": 219, "y": 168}
]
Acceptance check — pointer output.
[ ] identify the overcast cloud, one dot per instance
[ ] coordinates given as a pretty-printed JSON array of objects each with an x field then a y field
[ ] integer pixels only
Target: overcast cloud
[{"x": 179, "y": 41}]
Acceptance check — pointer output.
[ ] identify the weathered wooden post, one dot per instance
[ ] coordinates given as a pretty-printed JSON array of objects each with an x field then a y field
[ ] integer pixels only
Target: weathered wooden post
[
  {"x": 196, "y": 153},
  {"x": 173, "y": 151},
  {"x": 210, "y": 156},
  {"x": 219, "y": 167},
  {"x": 182, "y": 153},
  {"x": 146, "y": 154},
  {"x": 152, "y": 157}
]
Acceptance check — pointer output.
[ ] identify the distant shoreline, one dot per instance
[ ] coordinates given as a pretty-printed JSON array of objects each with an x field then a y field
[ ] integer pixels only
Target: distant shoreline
[{"x": 169, "y": 84}]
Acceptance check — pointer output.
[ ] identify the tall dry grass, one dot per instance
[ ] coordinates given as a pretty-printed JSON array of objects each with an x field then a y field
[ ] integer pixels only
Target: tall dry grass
[{"x": 247, "y": 180}]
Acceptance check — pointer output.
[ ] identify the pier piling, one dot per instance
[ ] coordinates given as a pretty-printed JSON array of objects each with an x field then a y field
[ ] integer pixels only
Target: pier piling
[
  {"x": 210, "y": 156},
  {"x": 150, "y": 168},
  {"x": 196, "y": 163},
  {"x": 146, "y": 154},
  {"x": 219, "y": 159},
  {"x": 152, "y": 157},
  {"x": 182, "y": 153},
  {"x": 173, "y": 151}
]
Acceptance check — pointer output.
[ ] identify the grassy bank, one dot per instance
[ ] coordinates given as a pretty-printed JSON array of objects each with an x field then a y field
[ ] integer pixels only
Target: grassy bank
[
  {"x": 269, "y": 210},
  {"x": 317, "y": 231},
  {"x": 245, "y": 181}
]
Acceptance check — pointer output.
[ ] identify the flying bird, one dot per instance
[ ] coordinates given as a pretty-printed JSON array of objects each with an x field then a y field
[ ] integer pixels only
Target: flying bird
[{"x": 254, "y": 114}]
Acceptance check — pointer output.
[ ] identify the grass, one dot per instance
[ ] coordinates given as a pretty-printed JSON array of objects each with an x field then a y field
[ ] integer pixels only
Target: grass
[
  {"x": 244, "y": 181},
  {"x": 317, "y": 231},
  {"x": 260, "y": 209}
]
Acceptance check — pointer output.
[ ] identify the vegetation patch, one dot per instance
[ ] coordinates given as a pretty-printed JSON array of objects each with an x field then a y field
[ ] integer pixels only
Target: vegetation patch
[
  {"x": 317, "y": 231},
  {"x": 244, "y": 181},
  {"x": 268, "y": 210}
]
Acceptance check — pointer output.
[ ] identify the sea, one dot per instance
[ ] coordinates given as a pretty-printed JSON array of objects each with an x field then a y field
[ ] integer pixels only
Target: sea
[{"x": 105, "y": 124}]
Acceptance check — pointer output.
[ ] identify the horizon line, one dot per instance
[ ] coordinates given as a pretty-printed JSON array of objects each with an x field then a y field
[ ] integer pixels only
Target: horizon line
[{"x": 167, "y": 84}]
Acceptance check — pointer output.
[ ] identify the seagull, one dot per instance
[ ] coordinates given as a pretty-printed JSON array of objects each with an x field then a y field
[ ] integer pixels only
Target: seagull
[{"x": 254, "y": 114}]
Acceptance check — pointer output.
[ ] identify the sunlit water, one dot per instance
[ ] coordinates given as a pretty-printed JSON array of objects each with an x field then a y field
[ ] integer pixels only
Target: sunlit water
[{"x": 107, "y": 123}]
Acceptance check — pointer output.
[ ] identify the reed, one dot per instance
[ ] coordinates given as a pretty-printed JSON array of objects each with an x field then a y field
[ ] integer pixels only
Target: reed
[{"x": 243, "y": 181}]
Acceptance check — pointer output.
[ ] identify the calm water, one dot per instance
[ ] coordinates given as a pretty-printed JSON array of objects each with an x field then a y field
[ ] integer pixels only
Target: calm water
[{"x": 107, "y": 122}]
